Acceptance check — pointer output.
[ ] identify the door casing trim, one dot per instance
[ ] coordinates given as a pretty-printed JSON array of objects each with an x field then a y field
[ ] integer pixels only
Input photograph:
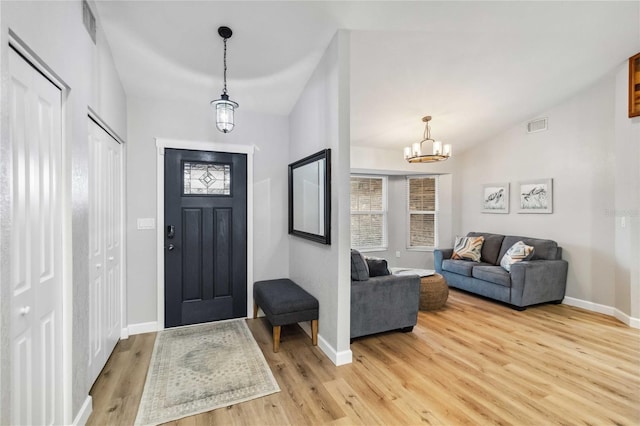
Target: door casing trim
[{"x": 161, "y": 144}]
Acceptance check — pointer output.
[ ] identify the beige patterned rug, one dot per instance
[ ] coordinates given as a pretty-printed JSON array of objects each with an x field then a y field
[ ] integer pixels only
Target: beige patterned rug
[{"x": 202, "y": 367}]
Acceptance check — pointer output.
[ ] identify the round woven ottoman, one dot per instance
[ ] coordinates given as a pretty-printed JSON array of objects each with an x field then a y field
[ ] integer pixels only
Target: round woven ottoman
[{"x": 434, "y": 292}]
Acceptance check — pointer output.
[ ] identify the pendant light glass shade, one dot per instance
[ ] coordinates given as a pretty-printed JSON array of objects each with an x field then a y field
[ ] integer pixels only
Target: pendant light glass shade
[{"x": 224, "y": 113}]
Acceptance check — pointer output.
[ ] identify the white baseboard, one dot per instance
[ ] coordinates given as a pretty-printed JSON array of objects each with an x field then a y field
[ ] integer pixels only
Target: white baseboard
[
  {"x": 143, "y": 327},
  {"x": 124, "y": 333},
  {"x": 603, "y": 309},
  {"x": 589, "y": 306},
  {"x": 85, "y": 411},
  {"x": 630, "y": 321},
  {"x": 338, "y": 358}
]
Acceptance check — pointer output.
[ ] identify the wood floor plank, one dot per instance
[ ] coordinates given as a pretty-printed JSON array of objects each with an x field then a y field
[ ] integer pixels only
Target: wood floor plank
[{"x": 474, "y": 362}]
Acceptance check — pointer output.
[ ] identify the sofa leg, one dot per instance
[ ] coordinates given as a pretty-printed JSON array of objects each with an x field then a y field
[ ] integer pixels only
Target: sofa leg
[
  {"x": 255, "y": 310},
  {"x": 407, "y": 329},
  {"x": 557, "y": 302},
  {"x": 518, "y": 308}
]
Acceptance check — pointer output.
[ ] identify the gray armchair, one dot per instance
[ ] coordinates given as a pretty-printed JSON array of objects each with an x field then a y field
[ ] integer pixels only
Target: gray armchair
[{"x": 383, "y": 303}]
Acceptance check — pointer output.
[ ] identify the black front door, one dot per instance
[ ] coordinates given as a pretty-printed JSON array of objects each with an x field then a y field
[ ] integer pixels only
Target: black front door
[{"x": 205, "y": 213}]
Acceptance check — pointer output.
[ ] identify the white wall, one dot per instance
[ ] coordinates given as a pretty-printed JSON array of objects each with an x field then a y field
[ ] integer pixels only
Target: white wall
[
  {"x": 319, "y": 120},
  {"x": 149, "y": 119},
  {"x": 55, "y": 33},
  {"x": 582, "y": 154},
  {"x": 627, "y": 200}
]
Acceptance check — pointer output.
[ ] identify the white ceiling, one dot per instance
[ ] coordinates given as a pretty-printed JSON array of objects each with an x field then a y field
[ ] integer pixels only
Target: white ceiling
[{"x": 477, "y": 67}]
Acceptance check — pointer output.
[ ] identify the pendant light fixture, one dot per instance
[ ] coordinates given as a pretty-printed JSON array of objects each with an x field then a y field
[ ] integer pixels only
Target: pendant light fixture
[
  {"x": 415, "y": 153},
  {"x": 224, "y": 106}
]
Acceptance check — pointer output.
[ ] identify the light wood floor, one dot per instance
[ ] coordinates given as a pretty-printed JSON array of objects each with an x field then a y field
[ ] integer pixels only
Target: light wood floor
[{"x": 475, "y": 362}]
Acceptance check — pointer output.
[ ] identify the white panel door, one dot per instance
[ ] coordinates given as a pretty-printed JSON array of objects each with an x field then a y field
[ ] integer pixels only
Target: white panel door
[
  {"x": 105, "y": 226},
  {"x": 36, "y": 241},
  {"x": 113, "y": 248}
]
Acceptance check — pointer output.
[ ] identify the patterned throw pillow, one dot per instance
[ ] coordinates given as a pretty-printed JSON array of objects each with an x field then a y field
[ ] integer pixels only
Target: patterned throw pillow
[
  {"x": 517, "y": 253},
  {"x": 467, "y": 248}
]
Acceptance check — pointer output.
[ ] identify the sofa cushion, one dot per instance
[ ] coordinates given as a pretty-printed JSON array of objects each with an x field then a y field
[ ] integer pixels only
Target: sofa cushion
[
  {"x": 461, "y": 267},
  {"x": 490, "y": 247},
  {"x": 544, "y": 249},
  {"x": 359, "y": 268},
  {"x": 493, "y": 274},
  {"x": 517, "y": 253},
  {"x": 377, "y": 267},
  {"x": 467, "y": 248}
]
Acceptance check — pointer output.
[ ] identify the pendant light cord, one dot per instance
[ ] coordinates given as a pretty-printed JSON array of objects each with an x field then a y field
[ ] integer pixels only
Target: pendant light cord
[{"x": 225, "y": 67}]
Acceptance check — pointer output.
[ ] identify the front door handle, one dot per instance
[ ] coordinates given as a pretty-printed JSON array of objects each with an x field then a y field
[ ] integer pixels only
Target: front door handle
[
  {"x": 170, "y": 247},
  {"x": 171, "y": 231}
]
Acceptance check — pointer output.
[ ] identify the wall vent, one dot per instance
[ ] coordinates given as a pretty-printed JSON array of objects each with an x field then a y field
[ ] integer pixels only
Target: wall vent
[
  {"x": 89, "y": 20},
  {"x": 538, "y": 125}
]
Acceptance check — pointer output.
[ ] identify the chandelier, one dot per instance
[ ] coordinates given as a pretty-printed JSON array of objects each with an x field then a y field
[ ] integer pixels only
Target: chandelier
[
  {"x": 415, "y": 153},
  {"x": 224, "y": 106}
]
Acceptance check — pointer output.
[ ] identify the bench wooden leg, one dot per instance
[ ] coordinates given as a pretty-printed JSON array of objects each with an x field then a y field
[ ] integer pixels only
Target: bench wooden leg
[
  {"x": 276, "y": 338},
  {"x": 255, "y": 310},
  {"x": 314, "y": 332}
]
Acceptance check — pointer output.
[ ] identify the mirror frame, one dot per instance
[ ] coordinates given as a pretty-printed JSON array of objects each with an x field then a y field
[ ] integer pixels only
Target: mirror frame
[{"x": 319, "y": 238}]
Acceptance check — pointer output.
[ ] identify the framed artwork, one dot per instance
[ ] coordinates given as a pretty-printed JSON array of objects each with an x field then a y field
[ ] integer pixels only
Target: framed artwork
[
  {"x": 495, "y": 198},
  {"x": 536, "y": 196}
]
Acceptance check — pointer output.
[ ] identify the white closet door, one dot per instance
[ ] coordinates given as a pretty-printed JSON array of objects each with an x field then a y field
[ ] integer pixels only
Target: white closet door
[
  {"x": 36, "y": 241},
  {"x": 105, "y": 225}
]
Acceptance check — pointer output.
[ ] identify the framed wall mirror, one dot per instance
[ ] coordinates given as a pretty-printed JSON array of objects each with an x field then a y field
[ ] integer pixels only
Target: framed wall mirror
[{"x": 310, "y": 197}]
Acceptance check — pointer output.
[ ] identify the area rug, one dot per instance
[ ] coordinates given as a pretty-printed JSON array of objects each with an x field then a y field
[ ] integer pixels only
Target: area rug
[{"x": 202, "y": 367}]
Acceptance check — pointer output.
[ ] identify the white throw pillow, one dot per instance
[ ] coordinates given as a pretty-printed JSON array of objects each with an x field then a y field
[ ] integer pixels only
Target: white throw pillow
[{"x": 517, "y": 253}]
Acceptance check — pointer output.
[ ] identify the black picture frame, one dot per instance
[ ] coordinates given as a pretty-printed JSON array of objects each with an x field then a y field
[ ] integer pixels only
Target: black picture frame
[{"x": 322, "y": 234}]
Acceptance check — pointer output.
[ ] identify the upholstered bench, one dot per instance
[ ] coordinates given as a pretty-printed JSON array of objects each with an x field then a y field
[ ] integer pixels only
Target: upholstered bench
[{"x": 285, "y": 302}]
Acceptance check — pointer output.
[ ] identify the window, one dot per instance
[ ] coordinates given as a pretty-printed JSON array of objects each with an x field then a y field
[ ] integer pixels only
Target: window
[
  {"x": 206, "y": 178},
  {"x": 369, "y": 212},
  {"x": 422, "y": 196}
]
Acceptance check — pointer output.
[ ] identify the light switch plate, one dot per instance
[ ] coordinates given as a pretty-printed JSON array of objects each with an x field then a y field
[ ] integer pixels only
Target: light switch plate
[{"x": 146, "y": 223}]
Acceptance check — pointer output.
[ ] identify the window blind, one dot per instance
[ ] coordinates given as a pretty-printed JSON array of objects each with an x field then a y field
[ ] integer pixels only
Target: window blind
[
  {"x": 368, "y": 212},
  {"x": 422, "y": 208}
]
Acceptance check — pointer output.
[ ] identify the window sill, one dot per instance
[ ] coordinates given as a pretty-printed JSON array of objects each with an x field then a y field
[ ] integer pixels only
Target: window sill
[
  {"x": 431, "y": 249},
  {"x": 371, "y": 249}
]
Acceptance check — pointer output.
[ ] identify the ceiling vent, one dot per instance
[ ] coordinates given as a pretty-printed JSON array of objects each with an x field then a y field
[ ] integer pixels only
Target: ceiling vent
[
  {"x": 539, "y": 125},
  {"x": 89, "y": 20}
]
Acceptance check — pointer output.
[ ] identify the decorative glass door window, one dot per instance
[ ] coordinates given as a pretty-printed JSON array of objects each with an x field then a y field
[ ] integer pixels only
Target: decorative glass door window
[{"x": 207, "y": 178}]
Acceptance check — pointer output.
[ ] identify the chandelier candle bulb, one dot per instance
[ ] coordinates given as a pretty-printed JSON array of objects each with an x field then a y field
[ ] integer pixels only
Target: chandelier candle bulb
[
  {"x": 407, "y": 152},
  {"x": 447, "y": 150},
  {"x": 415, "y": 149},
  {"x": 437, "y": 148}
]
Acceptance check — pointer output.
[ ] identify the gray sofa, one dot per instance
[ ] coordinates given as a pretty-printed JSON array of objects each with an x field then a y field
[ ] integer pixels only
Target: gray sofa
[
  {"x": 383, "y": 303},
  {"x": 539, "y": 280}
]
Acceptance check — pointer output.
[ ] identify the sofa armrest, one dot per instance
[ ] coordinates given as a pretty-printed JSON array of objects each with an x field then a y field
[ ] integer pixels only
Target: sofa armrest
[
  {"x": 384, "y": 303},
  {"x": 439, "y": 255},
  {"x": 538, "y": 281}
]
